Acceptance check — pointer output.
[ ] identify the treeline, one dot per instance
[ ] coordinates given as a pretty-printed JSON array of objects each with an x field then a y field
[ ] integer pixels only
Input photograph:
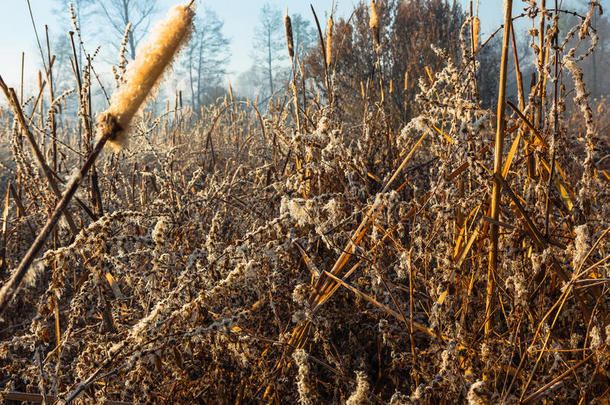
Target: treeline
[{"x": 361, "y": 63}]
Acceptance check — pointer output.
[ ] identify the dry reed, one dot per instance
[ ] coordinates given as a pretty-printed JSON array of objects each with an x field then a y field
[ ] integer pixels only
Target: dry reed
[{"x": 343, "y": 258}]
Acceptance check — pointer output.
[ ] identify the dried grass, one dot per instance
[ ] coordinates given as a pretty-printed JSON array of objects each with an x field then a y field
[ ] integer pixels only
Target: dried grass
[{"x": 246, "y": 258}]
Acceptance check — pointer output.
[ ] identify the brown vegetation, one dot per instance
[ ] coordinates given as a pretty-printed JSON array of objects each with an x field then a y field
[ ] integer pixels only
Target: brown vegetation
[{"x": 333, "y": 248}]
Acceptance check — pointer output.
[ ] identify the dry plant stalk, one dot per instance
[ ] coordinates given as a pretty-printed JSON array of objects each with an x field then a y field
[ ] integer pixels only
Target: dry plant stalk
[
  {"x": 290, "y": 44},
  {"x": 141, "y": 77},
  {"x": 498, "y": 152},
  {"x": 324, "y": 54}
]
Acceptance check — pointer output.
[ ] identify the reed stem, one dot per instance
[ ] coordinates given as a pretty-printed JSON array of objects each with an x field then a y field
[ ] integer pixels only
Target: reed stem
[{"x": 497, "y": 187}]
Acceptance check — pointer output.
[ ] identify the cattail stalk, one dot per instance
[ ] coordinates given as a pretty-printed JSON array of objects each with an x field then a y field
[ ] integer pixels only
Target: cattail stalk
[
  {"x": 289, "y": 39},
  {"x": 141, "y": 77},
  {"x": 498, "y": 152},
  {"x": 324, "y": 53},
  {"x": 290, "y": 44},
  {"x": 475, "y": 24}
]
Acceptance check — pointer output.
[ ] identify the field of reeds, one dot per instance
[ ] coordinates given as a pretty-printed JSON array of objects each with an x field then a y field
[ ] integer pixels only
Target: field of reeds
[{"x": 291, "y": 253}]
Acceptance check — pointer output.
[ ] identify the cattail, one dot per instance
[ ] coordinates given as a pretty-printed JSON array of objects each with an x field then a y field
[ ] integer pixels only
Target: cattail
[
  {"x": 406, "y": 80},
  {"x": 476, "y": 26},
  {"x": 289, "y": 40},
  {"x": 329, "y": 41},
  {"x": 143, "y": 74},
  {"x": 374, "y": 23}
]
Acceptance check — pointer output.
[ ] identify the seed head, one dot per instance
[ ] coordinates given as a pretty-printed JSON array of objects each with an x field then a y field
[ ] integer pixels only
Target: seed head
[
  {"x": 144, "y": 73},
  {"x": 476, "y": 26},
  {"x": 374, "y": 23},
  {"x": 289, "y": 40},
  {"x": 329, "y": 41}
]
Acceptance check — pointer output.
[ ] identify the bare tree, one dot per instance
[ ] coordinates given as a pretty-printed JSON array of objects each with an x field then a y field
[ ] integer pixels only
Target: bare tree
[
  {"x": 407, "y": 29},
  {"x": 83, "y": 9},
  {"x": 304, "y": 35},
  {"x": 269, "y": 44},
  {"x": 116, "y": 14},
  {"x": 119, "y": 13},
  {"x": 206, "y": 58},
  {"x": 248, "y": 82}
]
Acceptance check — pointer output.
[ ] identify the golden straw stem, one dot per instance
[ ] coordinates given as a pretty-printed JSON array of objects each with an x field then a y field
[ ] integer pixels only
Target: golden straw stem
[{"x": 499, "y": 150}]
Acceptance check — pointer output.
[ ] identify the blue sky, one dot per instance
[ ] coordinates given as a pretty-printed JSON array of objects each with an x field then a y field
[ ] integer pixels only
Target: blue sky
[{"x": 240, "y": 17}]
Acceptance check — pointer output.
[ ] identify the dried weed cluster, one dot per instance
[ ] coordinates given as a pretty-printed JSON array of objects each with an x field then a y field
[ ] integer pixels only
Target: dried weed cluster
[{"x": 230, "y": 257}]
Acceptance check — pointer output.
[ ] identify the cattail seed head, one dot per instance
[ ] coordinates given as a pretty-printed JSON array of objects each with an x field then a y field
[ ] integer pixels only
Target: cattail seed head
[
  {"x": 374, "y": 23},
  {"x": 289, "y": 40},
  {"x": 373, "y": 20},
  {"x": 329, "y": 41},
  {"x": 476, "y": 26},
  {"x": 143, "y": 74}
]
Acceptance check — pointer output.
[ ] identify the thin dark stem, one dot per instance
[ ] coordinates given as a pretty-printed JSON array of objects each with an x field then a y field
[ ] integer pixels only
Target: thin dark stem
[
  {"x": 497, "y": 187},
  {"x": 324, "y": 62},
  {"x": 44, "y": 64}
]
